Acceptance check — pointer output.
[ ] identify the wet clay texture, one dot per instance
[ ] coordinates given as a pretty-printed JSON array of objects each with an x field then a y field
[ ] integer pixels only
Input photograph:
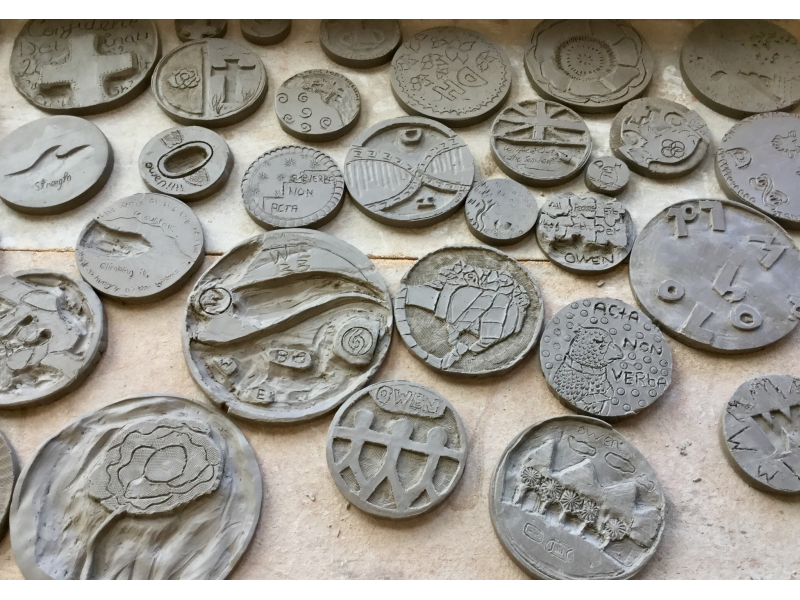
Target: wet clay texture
[
  {"x": 141, "y": 248},
  {"x": 500, "y": 211},
  {"x": 396, "y": 449},
  {"x": 286, "y": 326},
  {"x": 52, "y": 333},
  {"x": 8, "y": 475},
  {"x": 53, "y": 165},
  {"x": 150, "y": 487},
  {"x": 469, "y": 310},
  {"x": 573, "y": 499}
]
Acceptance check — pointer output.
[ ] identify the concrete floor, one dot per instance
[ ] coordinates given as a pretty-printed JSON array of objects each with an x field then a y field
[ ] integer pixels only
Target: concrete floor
[{"x": 717, "y": 526}]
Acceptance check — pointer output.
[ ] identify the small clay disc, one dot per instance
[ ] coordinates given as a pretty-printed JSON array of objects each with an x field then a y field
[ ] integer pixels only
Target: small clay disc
[
  {"x": 658, "y": 138},
  {"x": 210, "y": 82},
  {"x": 586, "y": 233},
  {"x": 192, "y": 30},
  {"x": 742, "y": 67},
  {"x": 188, "y": 163},
  {"x": 607, "y": 175},
  {"x": 540, "y": 143},
  {"x": 8, "y": 475},
  {"x": 54, "y": 333},
  {"x": 293, "y": 186},
  {"x": 150, "y": 487},
  {"x": 605, "y": 358},
  {"x": 373, "y": 434},
  {"x": 141, "y": 249},
  {"x": 453, "y": 75},
  {"x": 590, "y": 65},
  {"x": 317, "y": 105},
  {"x": 53, "y": 164},
  {"x": 409, "y": 172},
  {"x": 360, "y": 43},
  {"x": 571, "y": 498},
  {"x": 469, "y": 310},
  {"x": 286, "y": 326},
  {"x": 757, "y": 163},
  {"x": 265, "y": 32},
  {"x": 84, "y": 66},
  {"x": 500, "y": 211},
  {"x": 757, "y": 428},
  {"x": 717, "y": 275}
]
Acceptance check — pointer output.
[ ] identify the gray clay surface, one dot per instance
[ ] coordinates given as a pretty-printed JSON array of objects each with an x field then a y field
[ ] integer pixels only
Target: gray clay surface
[
  {"x": 607, "y": 175},
  {"x": 590, "y": 65},
  {"x": 469, "y": 310},
  {"x": 150, "y": 487},
  {"x": 587, "y": 233},
  {"x": 396, "y": 449},
  {"x": 742, "y": 67},
  {"x": 757, "y": 163},
  {"x": 454, "y": 75},
  {"x": 189, "y": 163},
  {"x": 658, "y": 138},
  {"x": 84, "y": 66},
  {"x": 760, "y": 433},
  {"x": 293, "y": 186},
  {"x": 605, "y": 358},
  {"x": 210, "y": 82},
  {"x": 571, "y": 498},
  {"x": 286, "y": 326},
  {"x": 141, "y": 249},
  {"x": 717, "y": 275},
  {"x": 52, "y": 333},
  {"x": 53, "y": 164},
  {"x": 317, "y": 105},
  {"x": 540, "y": 143},
  {"x": 192, "y": 30},
  {"x": 500, "y": 211},
  {"x": 265, "y": 32},
  {"x": 360, "y": 43},
  {"x": 8, "y": 475},
  {"x": 409, "y": 172}
]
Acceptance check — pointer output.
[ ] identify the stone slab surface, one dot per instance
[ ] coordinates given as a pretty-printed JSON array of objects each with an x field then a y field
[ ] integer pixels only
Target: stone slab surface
[{"x": 717, "y": 526}]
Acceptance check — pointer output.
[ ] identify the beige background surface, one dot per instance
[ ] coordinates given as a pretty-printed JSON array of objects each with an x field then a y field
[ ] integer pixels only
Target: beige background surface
[{"x": 716, "y": 526}]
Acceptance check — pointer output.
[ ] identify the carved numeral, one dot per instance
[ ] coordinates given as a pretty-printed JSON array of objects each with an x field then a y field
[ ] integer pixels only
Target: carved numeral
[
  {"x": 688, "y": 212},
  {"x": 773, "y": 250},
  {"x": 693, "y": 325},
  {"x": 717, "y": 213},
  {"x": 723, "y": 284}
]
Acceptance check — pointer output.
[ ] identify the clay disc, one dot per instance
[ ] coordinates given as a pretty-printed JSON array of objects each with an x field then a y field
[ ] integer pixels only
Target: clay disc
[
  {"x": 317, "y": 105},
  {"x": 589, "y": 65},
  {"x": 717, "y": 275},
  {"x": 757, "y": 163},
  {"x": 192, "y": 30},
  {"x": 360, "y": 43},
  {"x": 607, "y": 175},
  {"x": 573, "y": 499},
  {"x": 141, "y": 249},
  {"x": 756, "y": 423},
  {"x": 84, "y": 66},
  {"x": 399, "y": 419},
  {"x": 742, "y": 67},
  {"x": 8, "y": 474},
  {"x": 54, "y": 333},
  {"x": 658, "y": 138},
  {"x": 469, "y": 310},
  {"x": 540, "y": 143},
  {"x": 293, "y": 186},
  {"x": 210, "y": 82},
  {"x": 265, "y": 32},
  {"x": 605, "y": 358},
  {"x": 150, "y": 487},
  {"x": 500, "y": 211},
  {"x": 286, "y": 326},
  {"x": 586, "y": 233},
  {"x": 53, "y": 164},
  {"x": 453, "y": 75},
  {"x": 409, "y": 172}
]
